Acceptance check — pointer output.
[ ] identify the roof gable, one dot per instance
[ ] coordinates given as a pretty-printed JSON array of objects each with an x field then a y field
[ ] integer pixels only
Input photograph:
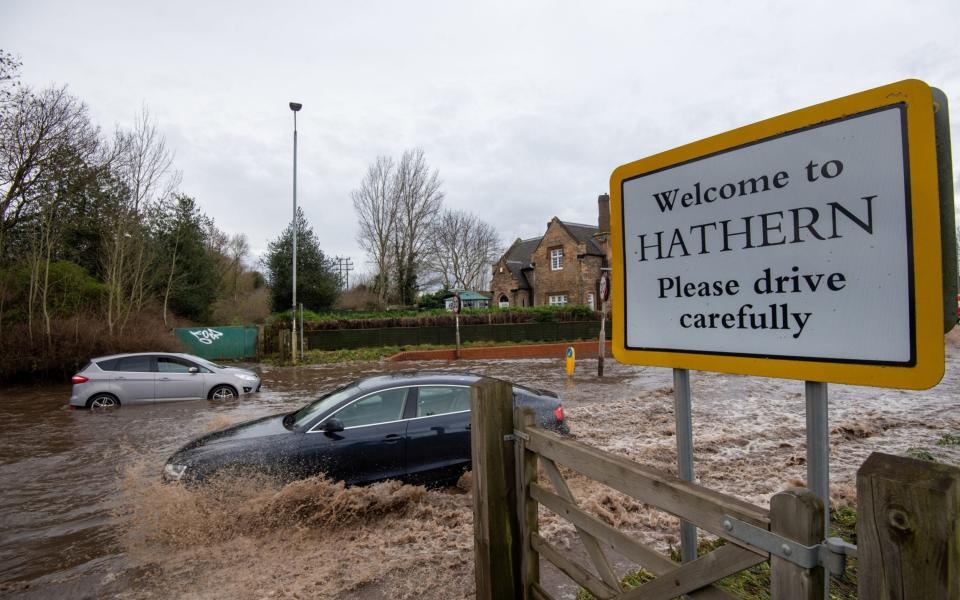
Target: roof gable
[{"x": 579, "y": 233}]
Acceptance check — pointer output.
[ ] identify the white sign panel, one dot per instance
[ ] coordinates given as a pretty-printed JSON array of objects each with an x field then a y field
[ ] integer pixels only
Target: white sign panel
[{"x": 794, "y": 247}]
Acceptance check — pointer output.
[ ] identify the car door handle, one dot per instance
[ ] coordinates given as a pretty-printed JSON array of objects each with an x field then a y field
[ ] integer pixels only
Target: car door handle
[
  {"x": 467, "y": 427},
  {"x": 164, "y": 379},
  {"x": 393, "y": 438}
]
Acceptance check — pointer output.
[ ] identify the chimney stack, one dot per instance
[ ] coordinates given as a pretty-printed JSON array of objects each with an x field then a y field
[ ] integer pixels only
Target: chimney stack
[{"x": 603, "y": 220}]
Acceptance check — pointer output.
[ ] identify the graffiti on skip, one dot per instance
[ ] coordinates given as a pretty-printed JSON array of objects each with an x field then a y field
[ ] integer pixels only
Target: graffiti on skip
[{"x": 207, "y": 336}]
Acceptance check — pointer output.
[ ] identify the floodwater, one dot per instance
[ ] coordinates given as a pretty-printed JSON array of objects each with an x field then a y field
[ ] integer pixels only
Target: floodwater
[{"x": 83, "y": 515}]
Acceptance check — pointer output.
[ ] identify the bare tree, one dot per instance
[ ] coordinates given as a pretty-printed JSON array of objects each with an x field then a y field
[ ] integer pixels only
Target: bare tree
[
  {"x": 420, "y": 201},
  {"x": 143, "y": 165},
  {"x": 377, "y": 204},
  {"x": 462, "y": 246},
  {"x": 238, "y": 248}
]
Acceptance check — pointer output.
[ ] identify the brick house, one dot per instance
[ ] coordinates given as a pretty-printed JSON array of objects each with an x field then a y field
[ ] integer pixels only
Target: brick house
[{"x": 560, "y": 267}]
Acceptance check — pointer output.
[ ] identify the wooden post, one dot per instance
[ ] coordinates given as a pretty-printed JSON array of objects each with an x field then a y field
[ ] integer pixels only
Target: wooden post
[
  {"x": 797, "y": 514},
  {"x": 908, "y": 529},
  {"x": 528, "y": 511},
  {"x": 496, "y": 530}
]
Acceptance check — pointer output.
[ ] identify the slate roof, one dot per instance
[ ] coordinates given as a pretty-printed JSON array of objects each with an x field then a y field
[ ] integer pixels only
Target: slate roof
[
  {"x": 584, "y": 233},
  {"x": 518, "y": 259}
]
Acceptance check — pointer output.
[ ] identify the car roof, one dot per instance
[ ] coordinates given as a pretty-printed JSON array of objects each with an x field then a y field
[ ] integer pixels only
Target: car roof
[
  {"x": 125, "y": 354},
  {"x": 416, "y": 378}
]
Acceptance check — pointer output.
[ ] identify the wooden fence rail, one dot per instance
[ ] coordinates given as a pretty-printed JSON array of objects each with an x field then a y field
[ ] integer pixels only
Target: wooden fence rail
[{"x": 509, "y": 452}]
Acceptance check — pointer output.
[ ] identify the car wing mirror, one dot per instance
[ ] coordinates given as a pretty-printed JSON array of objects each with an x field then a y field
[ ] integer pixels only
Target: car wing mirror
[
  {"x": 332, "y": 425},
  {"x": 193, "y": 370}
]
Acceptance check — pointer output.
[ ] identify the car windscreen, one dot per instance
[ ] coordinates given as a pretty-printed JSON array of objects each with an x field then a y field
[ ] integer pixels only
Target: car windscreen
[{"x": 323, "y": 404}]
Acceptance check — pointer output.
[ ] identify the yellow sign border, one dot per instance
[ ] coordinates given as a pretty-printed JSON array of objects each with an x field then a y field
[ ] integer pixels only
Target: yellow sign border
[{"x": 925, "y": 206}]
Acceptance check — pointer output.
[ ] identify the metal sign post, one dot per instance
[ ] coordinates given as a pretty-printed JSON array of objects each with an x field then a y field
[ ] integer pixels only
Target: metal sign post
[
  {"x": 683, "y": 413},
  {"x": 818, "y": 447},
  {"x": 604, "y": 294},
  {"x": 456, "y": 318}
]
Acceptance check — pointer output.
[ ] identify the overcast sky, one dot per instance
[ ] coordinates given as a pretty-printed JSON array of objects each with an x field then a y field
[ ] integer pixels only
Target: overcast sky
[{"x": 525, "y": 108}]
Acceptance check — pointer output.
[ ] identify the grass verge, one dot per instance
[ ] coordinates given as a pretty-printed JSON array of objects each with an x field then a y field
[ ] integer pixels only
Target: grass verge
[{"x": 325, "y": 357}]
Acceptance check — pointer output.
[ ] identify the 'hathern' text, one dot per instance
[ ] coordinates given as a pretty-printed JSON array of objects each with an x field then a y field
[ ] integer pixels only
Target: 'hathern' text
[{"x": 791, "y": 226}]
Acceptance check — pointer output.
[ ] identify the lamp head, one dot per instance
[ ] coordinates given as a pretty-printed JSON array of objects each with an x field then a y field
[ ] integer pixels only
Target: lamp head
[{"x": 295, "y": 106}]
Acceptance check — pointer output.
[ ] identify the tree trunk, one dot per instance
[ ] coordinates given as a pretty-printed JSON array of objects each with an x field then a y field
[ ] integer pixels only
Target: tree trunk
[{"x": 173, "y": 268}]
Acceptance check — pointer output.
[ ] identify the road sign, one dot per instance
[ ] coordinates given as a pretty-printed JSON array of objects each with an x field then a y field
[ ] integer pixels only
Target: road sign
[
  {"x": 571, "y": 360},
  {"x": 806, "y": 246},
  {"x": 604, "y": 287},
  {"x": 456, "y": 303}
]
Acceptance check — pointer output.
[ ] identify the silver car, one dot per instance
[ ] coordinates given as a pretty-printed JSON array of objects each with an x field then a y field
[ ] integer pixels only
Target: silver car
[{"x": 148, "y": 377}]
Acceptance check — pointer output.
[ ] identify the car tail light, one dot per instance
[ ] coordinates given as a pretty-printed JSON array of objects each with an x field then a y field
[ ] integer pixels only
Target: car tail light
[
  {"x": 78, "y": 379},
  {"x": 558, "y": 413}
]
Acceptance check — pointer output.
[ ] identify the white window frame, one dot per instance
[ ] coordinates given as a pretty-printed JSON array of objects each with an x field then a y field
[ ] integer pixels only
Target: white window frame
[
  {"x": 557, "y": 299},
  {"x": 556, "y": 259},
  {"x": 590, "y": 301}
]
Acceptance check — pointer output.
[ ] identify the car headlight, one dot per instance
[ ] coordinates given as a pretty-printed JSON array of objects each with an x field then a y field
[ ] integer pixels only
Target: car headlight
[
  {"x": 246, "y": 377},
  {"x": 172, "y": 472}
]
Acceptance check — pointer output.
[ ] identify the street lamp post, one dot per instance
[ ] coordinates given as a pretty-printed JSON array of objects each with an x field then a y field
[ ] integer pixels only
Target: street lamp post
[{"x": 294, "y": 106}]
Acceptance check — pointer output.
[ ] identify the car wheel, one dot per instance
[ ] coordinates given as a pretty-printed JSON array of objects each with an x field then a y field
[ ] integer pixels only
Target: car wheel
[
  {"x": 103, "y": 401},
  {"x": 223, "y": 392}
]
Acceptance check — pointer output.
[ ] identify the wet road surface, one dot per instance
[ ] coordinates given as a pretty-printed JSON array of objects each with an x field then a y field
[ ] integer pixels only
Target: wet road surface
[{"x": 61, "y": 507}]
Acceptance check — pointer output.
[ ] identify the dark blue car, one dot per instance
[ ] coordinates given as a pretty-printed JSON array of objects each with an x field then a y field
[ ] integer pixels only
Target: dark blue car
[{"x": 413, "y": 427}]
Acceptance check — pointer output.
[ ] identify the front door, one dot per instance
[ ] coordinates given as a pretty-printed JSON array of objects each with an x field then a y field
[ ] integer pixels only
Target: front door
[
  {"x": 372, "y": 445},
  {"x": 438, "y": 434},
  {"x": 176, "y": 382}
]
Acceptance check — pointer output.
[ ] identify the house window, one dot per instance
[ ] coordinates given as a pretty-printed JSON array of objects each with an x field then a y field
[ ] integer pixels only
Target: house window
[
  {"x": 590, "y": 300},
  {"x": 556, "y": 259},
  {"x": 557, "y": 299},
  {"x": 504, "y": 301}
]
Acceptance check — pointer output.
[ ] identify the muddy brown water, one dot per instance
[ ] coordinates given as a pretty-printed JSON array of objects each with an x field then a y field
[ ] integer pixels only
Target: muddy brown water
[{"x": 81, "y": 514}]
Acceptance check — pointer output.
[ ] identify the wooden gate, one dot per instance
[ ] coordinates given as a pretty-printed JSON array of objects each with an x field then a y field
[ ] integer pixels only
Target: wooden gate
[
  {"x": 695, "y": 504},
  {"x": 910, "y": 511}
]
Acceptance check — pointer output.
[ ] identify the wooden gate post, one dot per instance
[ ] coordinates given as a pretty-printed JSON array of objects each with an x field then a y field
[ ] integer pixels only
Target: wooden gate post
[
  {"x": 796, "y": 514},
  {"x": 528, "y": 510},
  {"x": 497, "y": 542},
  {"x": 908, "y": 529}
]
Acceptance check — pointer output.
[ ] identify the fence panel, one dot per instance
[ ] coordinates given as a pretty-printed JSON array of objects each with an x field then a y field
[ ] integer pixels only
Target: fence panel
[{"x": 216, "y": 343}]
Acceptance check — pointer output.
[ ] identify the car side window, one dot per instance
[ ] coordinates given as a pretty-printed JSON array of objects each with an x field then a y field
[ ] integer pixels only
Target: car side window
[
  {"x": 442, "y": 399},
  {"x": 138, "y": 364},
  {"x": 108, "y": 365},
  {"x": 169, "y": 364},
  {"x": 379, "y": 407}
]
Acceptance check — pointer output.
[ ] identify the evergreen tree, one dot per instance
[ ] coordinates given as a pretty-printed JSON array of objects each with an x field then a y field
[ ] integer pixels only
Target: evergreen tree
[
  {"x": 192, "y": 280},
  {"x": 317, "y": 284}
]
